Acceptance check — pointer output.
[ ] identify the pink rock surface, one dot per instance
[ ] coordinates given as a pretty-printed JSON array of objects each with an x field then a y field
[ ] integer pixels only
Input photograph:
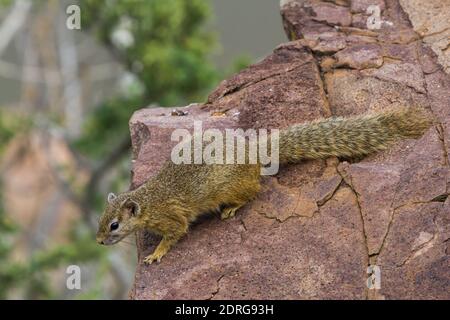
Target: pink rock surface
[
  {"x": 362, "y": 5},
  {"x": 332, "y": 14},
  {"x": 316, "y": 226},
  {"x": 361, "y": 56}
]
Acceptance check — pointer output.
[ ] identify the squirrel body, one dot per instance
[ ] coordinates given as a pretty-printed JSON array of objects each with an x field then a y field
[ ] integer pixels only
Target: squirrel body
[{"x": 167, "y": 203}]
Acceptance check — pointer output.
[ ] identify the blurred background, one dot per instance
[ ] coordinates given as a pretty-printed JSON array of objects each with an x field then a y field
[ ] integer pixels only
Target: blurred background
[{"x": 65, "y": 100}]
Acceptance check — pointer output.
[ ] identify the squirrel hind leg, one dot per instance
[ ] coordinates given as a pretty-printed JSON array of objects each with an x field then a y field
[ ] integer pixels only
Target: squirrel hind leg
[{"x": 230, "y": 211}]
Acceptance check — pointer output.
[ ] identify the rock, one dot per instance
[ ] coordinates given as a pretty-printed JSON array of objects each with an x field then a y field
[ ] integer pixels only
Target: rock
[
  {"x": 408, "y": 74},
  {"x": 360, "y": 56},
  {"x": 360, "y": 6},
  {"x": 414, "y": 253},
  {"x": 327, "y": 63},
  {"x": 376, "y": 187},
  {"x": 286, "y": 85},
  {"x": 151, "y": 131},
  {"x": 430, "y": 19},
  {"x": 331, "y": 13},
  {"x": 350, "y": 93},
  {"x": 325, "y": 42},
  {"x": 316, "y": 226},
  {"x": 359, "y": 20}
]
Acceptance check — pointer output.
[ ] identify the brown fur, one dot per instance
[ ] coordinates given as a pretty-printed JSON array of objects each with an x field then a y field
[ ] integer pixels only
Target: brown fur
[{"x": 169, "y": 202}]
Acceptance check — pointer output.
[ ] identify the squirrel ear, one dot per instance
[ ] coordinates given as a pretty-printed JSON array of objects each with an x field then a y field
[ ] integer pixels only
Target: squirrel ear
[
  {"x": 111, "y": 197},
  {"x": 132, "y": 206}
]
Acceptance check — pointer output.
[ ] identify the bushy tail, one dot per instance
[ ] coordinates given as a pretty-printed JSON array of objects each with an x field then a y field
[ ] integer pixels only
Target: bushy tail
[{"x": 351, "y": 137}]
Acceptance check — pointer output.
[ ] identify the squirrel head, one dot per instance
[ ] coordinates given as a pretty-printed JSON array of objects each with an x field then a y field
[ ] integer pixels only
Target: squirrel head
[{"x": 119, "y": 219}]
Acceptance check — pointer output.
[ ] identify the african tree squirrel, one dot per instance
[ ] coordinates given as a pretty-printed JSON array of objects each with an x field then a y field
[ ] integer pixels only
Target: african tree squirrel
[{"x": 167, "y": 203}]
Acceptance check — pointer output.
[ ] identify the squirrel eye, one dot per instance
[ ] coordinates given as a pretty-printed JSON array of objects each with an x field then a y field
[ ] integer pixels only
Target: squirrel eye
[{"x": 114, "y": 226}]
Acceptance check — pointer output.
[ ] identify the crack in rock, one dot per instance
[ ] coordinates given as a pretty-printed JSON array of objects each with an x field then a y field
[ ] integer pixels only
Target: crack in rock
[
  {"x": 323, "y": 201},
  {"x": 366, "y": 245},
  {"x": 215, "y": 292},
  {"x": 440, "y": 130}
]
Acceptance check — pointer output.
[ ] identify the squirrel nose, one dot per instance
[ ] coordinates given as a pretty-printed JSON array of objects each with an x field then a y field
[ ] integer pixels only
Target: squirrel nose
[{"x": 100, "y": 241}]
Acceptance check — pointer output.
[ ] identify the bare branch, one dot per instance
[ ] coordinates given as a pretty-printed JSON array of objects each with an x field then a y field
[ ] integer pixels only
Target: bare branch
[
  {"x": 68, "y": 56},
  {"x": 109, "y": 161},
  {"x": 13, "y": 22}
]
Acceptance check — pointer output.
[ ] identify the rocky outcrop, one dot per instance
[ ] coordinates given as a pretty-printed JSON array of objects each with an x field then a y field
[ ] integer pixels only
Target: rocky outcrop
[{"x": 317, "y": 226}]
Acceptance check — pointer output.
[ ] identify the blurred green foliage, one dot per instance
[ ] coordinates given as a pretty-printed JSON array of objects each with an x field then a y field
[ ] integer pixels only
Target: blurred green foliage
[
  {"x": 7, "y": 230},
  {"x": 168, "y": 49},
  {"x": 31, "y": 276},
  {"x": 10, "y": 125}
]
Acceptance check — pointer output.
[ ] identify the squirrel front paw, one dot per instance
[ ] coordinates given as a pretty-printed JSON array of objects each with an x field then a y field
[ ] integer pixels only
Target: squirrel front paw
[
  {"x": 228, "y": 213},
  {"x": 159, "y": 252},
  {"x": 155, "y": 256}
]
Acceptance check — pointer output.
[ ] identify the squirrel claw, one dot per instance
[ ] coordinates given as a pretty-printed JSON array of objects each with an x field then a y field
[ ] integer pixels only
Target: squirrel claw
[
  {"x": 228, "y": 213},
  {"x": 153, "y": 257}
]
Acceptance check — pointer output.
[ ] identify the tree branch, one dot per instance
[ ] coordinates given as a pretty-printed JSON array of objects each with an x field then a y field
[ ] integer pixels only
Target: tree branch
[
  {"x": 13, "y": 22},
  {"x": 109, "y": 161}
]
